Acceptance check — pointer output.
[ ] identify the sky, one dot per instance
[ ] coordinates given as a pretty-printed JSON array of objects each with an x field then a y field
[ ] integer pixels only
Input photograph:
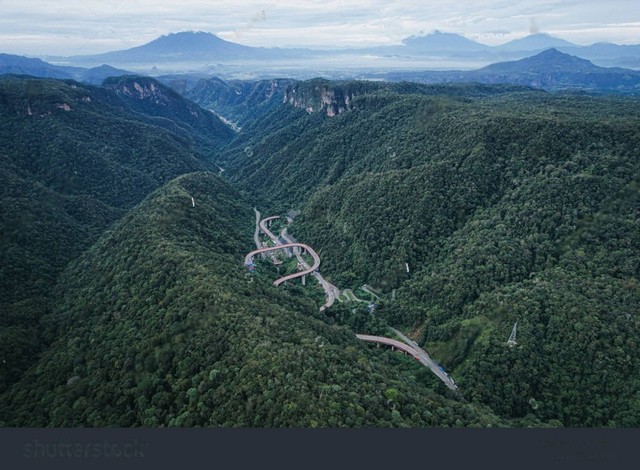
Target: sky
[{"x": 73, "y": 27}]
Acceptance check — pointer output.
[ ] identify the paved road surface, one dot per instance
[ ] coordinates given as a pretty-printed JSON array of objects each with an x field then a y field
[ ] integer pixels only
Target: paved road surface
[
  {"x": 256, "y": 234},
  {"x": 352, "y": 297},
  {"x": 427, "y": 361},
  {"x": 330, "y": 290},
  {"x": 267, "y": 232},
  {"x": 368, "y": 290},
  {"x": 390, "y": 342},
  {"x": 314, "y": 255}
]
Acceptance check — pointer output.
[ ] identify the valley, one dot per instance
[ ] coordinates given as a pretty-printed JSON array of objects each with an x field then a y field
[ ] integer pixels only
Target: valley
[{"x": 457, "y": 209}]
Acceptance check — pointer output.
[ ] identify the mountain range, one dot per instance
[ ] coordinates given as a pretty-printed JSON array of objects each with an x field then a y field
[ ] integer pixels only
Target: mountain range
[
  {"x": 194, "y": 50},
  {"x": 20, "y": 65},
  {"x": 459, "y": 210},
  {"x": 549, "y": 69},
  {"x": 469, "y": 208}
]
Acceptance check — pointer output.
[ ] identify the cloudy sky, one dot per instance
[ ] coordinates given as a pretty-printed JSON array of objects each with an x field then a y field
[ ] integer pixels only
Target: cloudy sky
[{"x": 70, "y": 27}]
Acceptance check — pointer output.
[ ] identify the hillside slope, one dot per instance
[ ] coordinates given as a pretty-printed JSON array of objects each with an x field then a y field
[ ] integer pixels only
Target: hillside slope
[
  {"x": 158, "y": 324},
  {"x": 505, "y": 207},
  {"x": 237, "y": 101},
  {"x": 182, "y": 116},
  {"x": 73, "y": 159}
]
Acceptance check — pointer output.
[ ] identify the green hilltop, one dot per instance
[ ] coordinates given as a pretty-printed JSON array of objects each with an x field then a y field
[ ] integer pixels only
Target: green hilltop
[
  {"x": 159, "y": 325},
  {"x": 507, "y": 204},
  {"x": 73, "y": 159},
  {"x": 466, "y": 207}
]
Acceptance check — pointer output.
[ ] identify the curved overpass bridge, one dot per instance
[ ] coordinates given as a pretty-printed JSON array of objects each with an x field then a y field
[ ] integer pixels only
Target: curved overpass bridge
[
  {"x": 418, "y": 353},
  {"x": 314, "y": 255},
  {"x": 266, "y": 231},
  {"x": 390, "y": 342},
  {"x": 332, "y": 292}
]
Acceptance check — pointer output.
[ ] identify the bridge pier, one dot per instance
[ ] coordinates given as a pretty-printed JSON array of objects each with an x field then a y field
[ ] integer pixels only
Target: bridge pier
[{"x": 304, "y": 280}]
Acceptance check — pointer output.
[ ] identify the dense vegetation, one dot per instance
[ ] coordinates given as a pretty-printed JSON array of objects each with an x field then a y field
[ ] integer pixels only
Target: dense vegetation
[
  {"x": 238, "y": 101},
  {"x": 512, "y": 206},
  {"x": 468, "y": 207},
  {"x": 159, "y": 324},
  {"x": 181, "y": 116},
  {"x": 73, "y": 159},
  {"x": 550, "y": 70}
]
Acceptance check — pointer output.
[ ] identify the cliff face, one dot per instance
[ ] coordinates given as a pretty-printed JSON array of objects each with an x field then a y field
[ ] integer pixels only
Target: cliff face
[
  {"x": 238, "y": 101},
  {"x": 142, "y": 88},
  {"x": 332, "y": 98},
  {"x": 148, "y": 96}
]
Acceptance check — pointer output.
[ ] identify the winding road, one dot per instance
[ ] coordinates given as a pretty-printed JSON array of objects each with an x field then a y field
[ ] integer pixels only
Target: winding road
[
  {"x": 267, "y": 232},
  {"x": 368, "y": 290},
  {"x": 406, "y": 345},
  {"x": 330, "y": 290},
  {"x": 427, "y": 361},
  {"x": 256, "y": 234},
  {"x": 309, "y": 270},
  {"x": 415, "y": 351}
]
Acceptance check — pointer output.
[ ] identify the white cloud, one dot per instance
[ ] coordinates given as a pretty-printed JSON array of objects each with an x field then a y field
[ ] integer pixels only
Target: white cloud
[{"x": 88, "y": 26}]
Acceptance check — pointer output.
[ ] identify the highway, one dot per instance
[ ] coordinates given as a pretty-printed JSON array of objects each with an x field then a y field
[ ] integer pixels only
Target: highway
[
  {"x": 330, "y": 290},
  {"x": 427, "y": 361},
  {"x": 314, "y": 255},
  {"x": 390, "y": 342},
  {"x": 408, "y": 346},
  {"x": 256, "y": 234},
  {"x": 417, "y": 353},
  {"x": 267, "y": 232}
]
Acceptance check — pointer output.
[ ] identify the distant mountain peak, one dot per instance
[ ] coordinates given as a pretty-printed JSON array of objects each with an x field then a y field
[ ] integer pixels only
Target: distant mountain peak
[
  {"x": 187, "y": 46},
  {"x": 546, "y": 61},
  {"x": 190, "y": 34},
  {"x": 537, "y": 41},
  {"x": 438, "y": 40},
  {"x": 552, "y": 52},
  {"x": 554, "y": 55},
  {"x": 186, "y": 40}
]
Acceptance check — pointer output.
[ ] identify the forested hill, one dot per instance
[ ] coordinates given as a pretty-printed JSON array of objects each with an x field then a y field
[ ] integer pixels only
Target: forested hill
[
  {"x": 467, "y": 208},
  {"x": 150, "y": 97},
  {"x": 73, "y": 159},
  {"x": 158, "y": 324},
  {"x": 309, "y": 140},
  {"x": 506, "y": 206},
  {"x": 237, "y": 101}
]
